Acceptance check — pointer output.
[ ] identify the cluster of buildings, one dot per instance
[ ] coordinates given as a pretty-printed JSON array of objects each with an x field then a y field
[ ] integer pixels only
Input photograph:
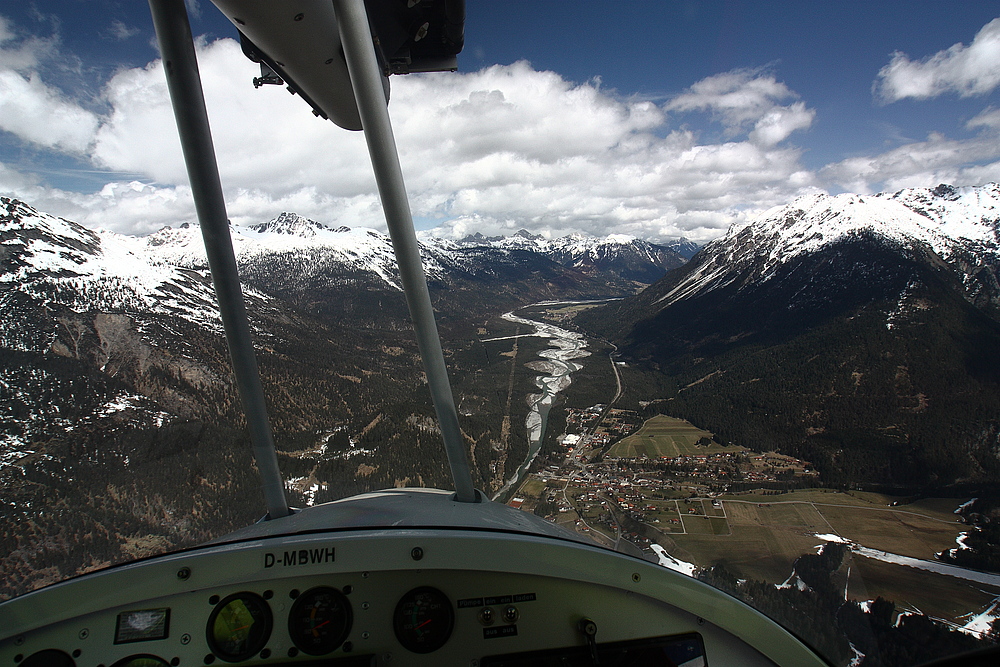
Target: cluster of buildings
[
  {"x": 612, "y": 493},
  {"x": 597, "y": 428}
]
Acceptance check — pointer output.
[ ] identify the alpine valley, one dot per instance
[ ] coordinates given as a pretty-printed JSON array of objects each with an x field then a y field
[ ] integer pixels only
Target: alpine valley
[
  {"x": 120, "y": 422},
  {"x": 861, "y": 333},
  {"x": 858, "y": 333}
]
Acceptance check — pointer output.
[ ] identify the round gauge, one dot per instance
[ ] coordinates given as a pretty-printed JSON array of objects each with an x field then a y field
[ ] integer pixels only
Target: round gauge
[
  {"x": 423, "y": 620},
  {"x": 50, "y": 657},
  {"x": 144, "y": 660},
  {"x": 320, "y": 620},
  {"x": 239, "y": 626}
]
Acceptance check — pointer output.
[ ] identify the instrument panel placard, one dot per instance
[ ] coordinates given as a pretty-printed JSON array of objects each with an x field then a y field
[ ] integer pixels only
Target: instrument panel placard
[{"x": 142, "y": 625}]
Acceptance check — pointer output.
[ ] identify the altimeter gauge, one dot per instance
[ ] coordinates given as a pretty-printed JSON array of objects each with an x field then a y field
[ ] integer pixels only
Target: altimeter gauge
[
  {"x": 320, "y": 620},
  {"x": 143, "y": 660},
  {"x": 423, "y": 620}
]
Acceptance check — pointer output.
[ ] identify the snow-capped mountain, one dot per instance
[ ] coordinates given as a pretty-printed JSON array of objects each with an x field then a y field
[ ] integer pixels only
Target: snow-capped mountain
[
  {"x": 67, "y": 265},
  {"x": 859, "y": 332},
  {"x": 625, "y": 256},
  {"x": 290, "y": 238},
  {"x": 961, "y": 226},
  {"x": 339, "y": 250}
]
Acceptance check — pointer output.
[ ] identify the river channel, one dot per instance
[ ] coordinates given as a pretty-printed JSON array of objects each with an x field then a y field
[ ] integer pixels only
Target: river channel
[{"x": 555, "y": 365}]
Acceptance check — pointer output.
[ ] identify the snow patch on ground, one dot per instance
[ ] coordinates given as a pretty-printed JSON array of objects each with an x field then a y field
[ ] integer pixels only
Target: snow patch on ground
[
  {"x": 793, "y": 581},
  {"x": 981, "y": 623},
  {"x": 930, "y": 566},
  {"x": 132, "y": 402},
  {"x": 351, "y": 453},
  {"x": 968, "y": 503},
  {"x": 302, "y": 485},
  {"x": 12, "y": 449},
  {"x": 671, "y": 563},
  {"x": 858, "y": 658}
]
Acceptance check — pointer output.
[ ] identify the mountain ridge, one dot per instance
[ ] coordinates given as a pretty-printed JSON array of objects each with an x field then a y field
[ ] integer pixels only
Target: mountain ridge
[
  {"x": 135, "y": 317},
  {"x": 950, "y": 221},
  {"x": 853, "y": 331}
]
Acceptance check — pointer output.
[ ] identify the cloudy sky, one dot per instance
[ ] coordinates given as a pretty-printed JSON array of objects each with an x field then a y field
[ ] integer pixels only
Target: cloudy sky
[{"x": 656, "y": 118}]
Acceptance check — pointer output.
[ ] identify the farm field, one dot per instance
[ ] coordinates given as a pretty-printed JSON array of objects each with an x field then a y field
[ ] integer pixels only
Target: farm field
[
  {"x": 668, "y": 436},
  {"x": 764, "y": 534},
  {"x": 934, "y": 594},
  {"x": 760, "y": 535}
]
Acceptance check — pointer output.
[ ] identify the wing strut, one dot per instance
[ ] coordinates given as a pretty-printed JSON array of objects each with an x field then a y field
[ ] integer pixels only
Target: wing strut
[
  {"x": 366, "y": 79},
  {"x": 173, "y": 32}
]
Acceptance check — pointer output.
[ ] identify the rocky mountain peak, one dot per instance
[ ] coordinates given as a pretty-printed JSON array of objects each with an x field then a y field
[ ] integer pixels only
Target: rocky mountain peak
[
  {"x": 957, "y": 224},
  {"x": 290, "y": 223}
]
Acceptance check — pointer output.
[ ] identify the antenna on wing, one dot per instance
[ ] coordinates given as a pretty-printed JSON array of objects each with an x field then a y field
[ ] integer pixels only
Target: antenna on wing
[{"x": 173, "y": 32}]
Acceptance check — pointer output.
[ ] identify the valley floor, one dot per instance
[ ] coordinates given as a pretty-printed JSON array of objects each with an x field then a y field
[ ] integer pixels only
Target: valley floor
[
  {"x": 666, "y": 490},
  {"x": 758, "y": 534}
]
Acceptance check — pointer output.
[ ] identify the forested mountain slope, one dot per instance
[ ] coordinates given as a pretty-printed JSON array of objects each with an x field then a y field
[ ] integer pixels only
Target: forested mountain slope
[
  {"x": 120, "y": 422},
  {"x": 857, "y": 332}
]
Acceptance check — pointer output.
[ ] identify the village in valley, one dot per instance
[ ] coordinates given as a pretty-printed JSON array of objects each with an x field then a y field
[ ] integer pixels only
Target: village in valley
[
  {"x": 626, "y": 481},
  {"x": 665, "y": 490}
]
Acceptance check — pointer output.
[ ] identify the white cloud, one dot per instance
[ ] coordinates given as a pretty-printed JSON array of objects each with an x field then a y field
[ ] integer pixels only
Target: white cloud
[
  {"x": 265, "y": 139},
  {"x": 779, "y": 122},
  {"x": 29, "y": 108},
  {"x": 23, "y": 53},
  {"x": 920, "y": 164},
  {"x": 120, "y": 32},
  {"x": 989, "y": 118},
  {"x": 41, "y": 115},
  {"x": 965, "y": 70},
  {"x": 12, "y": 181},
  {"x": 505, "y": 147},
  {"x": 744, "y": 98}
]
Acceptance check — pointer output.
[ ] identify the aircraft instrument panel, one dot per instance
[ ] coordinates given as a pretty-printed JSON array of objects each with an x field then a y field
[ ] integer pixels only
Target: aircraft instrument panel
[{"x": 402, "y": 597}]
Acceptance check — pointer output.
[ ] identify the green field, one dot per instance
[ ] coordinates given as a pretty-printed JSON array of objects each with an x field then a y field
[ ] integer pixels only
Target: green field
[
  {"x": 531, "y": 488},
  {"x": 760, "y": 536},
  {"x": 667, "y": 436},
  {"x": 665, "y": 518}
]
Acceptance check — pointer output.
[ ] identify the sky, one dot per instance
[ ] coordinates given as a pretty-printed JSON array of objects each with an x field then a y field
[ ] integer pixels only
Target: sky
[{"x": 656, "y": 118}]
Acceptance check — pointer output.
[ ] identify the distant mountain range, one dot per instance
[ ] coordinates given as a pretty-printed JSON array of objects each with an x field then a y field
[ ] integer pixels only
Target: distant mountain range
[
  {"x": 114, "y": 374},
  {"x": 164, "y": 274},
  {"x": 860, "y": 332},
  {"x": 626, "y": 256},
  {"x": 370, "y": 251}
]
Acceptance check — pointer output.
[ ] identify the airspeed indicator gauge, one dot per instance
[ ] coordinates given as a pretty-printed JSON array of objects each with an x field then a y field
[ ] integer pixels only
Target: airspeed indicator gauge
[{"x": 144, "y": 660}]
